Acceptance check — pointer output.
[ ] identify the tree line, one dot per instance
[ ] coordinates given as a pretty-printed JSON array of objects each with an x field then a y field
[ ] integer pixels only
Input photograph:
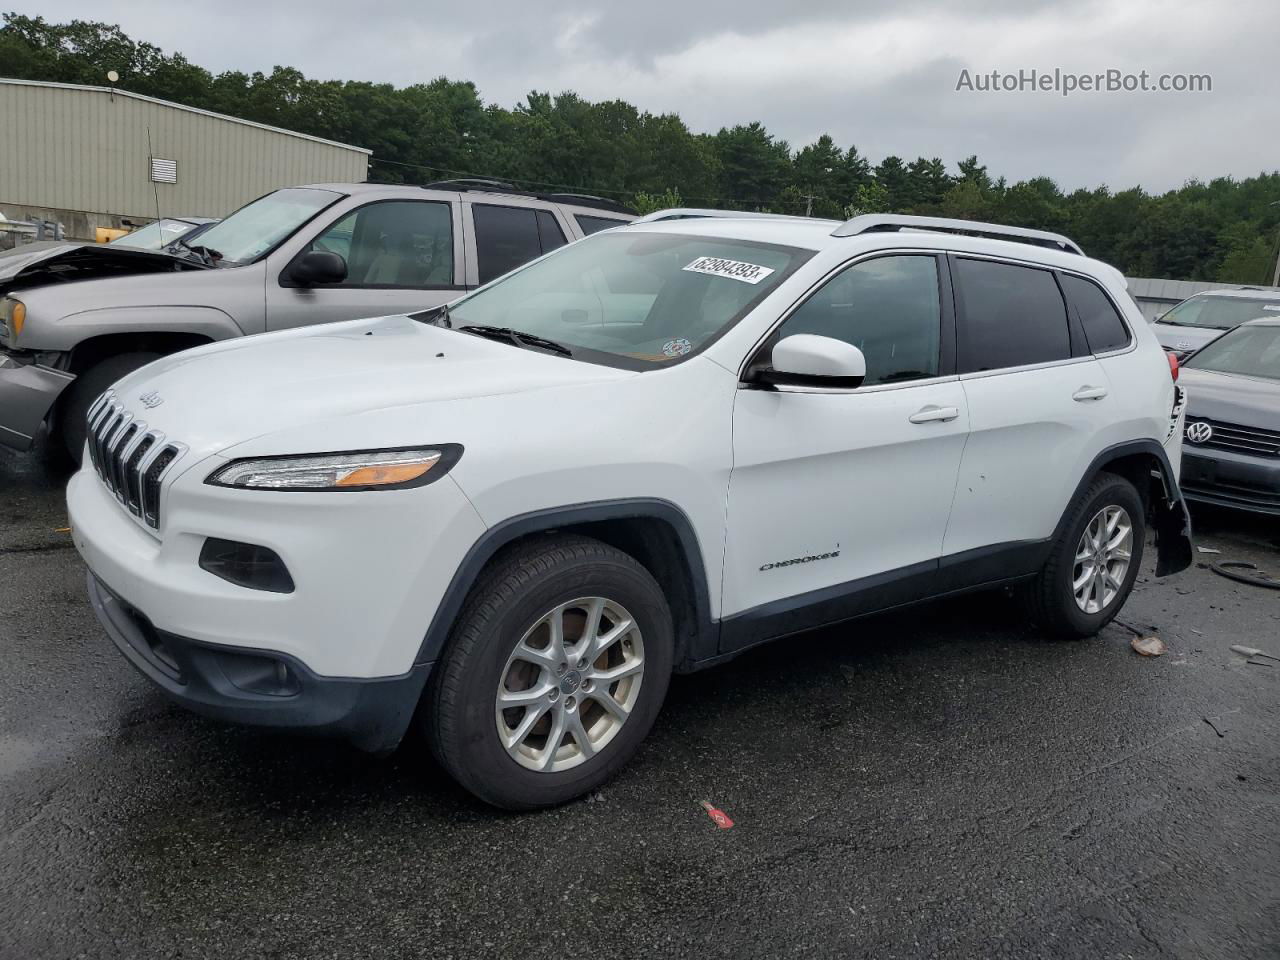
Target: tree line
[{"x": 1222, "y": 230}]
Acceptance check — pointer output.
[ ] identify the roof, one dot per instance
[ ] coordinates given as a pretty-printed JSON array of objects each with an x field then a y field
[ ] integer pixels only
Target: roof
[
  {"x": 606, "y": 209},
  {"x": 812, "y": 234},
  {"x": 1243, "y": 293},
  {"x": 1174, "y": 291},
  {"x": 113, "y": 92}
]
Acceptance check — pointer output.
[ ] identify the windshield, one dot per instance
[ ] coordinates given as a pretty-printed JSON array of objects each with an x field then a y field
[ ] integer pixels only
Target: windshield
[
  {"x": 1219, "y": 313},
  {"x": 636, "y": 300},
  {"x": 1246, "y": 351},
  {"x": 255, "y": 229},
  {"x": 155, "y": 235}
]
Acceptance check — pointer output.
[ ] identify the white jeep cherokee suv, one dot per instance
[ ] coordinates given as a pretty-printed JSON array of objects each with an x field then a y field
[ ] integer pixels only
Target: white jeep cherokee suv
[{"x": 514, "y": 517}]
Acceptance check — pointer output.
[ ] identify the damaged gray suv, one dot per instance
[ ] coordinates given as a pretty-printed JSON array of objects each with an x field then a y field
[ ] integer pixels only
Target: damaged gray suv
[{"x": 75, "y": 318}]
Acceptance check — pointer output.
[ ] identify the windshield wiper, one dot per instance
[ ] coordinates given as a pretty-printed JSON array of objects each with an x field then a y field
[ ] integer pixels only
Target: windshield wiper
[
  {"x": 517, "y": 337},
  {"x": 208, "y": 257}
]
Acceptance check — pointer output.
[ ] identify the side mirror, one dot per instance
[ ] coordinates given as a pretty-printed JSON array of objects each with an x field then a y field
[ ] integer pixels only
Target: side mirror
[
  {"x": 808, "y": 360},
  {"x": 318, "y": 266}
]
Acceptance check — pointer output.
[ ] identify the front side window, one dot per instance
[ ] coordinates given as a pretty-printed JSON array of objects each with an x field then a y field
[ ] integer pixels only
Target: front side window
[
  {"x": 509, "y": 237},
  {"x": 394, "y": 243},
  {"x": 635, "y": 300},
  {"x": 1012, "y": 316},
  {"x": 1252, "y": 351},
  {"x": 887, "y": 307},
  {"x": 1103, "y": 327},
  {"x": 1219, "y": 313},
  {"x": 257, "y": 228}
]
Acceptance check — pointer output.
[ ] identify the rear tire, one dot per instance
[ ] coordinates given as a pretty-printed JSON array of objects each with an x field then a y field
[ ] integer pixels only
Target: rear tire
[
  {"x": 602, "y": 686},
  {"x": 86, "y": 388},
  {"x": 1088, "y": 578}
]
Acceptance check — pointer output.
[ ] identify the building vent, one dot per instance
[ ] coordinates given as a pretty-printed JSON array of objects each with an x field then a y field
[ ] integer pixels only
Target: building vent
[{"x": 164, "y": 171}]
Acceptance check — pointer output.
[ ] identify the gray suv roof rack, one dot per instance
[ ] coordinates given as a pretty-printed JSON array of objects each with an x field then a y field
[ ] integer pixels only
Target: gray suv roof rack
[
  {"x": 880, "y": 223},
  {"x": 487, "y": 185}
]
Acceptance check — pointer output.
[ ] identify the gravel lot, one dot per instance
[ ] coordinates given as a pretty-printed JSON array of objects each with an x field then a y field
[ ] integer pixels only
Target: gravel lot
[{"x": 939, "y": 782}]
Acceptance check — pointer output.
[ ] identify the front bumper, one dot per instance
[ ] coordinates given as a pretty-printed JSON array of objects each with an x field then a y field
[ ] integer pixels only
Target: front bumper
[
  {"x": 27, "y": 394},
  {"x": 211, "y": 680},
  {"x": 369, "y": 569},
  {"x": 1230, "y": 479}
]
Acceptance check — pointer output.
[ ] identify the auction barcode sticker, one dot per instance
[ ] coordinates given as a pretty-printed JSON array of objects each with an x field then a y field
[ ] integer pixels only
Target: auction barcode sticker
[{"x": 733, "y": 269}]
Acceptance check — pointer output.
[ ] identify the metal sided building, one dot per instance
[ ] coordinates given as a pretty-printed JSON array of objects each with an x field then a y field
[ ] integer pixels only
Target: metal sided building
[{"x": 91, "y": 157}]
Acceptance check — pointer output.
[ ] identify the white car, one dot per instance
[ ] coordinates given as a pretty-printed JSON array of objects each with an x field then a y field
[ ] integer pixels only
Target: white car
[{"x": 514, "y": 517}]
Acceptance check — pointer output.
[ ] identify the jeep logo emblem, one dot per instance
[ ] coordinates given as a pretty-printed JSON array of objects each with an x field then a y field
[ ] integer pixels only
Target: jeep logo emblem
[
  {"x": 1199, "y": 432},
  {"x": 151, "y": 400}
]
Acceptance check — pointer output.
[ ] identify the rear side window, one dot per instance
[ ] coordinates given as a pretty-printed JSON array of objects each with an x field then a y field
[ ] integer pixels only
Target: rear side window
[
  {"x": 1012, "y": 316},
  {"x": 550, "y": 235},
  {"x": 1103, "y": 327},
  {"x": 509, "y": 237},
  {"x": 589, "y": 225}
]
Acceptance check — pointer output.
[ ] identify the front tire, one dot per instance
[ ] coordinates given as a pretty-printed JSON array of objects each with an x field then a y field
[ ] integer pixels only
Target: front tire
[
  {"x": 554, "y": 673},
  {"x": 85, "y": 389},
  {"x": 1094, "y": 563}
]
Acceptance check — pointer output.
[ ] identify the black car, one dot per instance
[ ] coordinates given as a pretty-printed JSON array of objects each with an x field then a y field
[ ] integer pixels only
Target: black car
[{"x": 1231, "y": 456}]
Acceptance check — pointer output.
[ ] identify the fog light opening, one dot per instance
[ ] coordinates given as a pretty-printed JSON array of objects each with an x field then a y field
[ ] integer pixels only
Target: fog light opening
[{"x": 246, "y": 565}]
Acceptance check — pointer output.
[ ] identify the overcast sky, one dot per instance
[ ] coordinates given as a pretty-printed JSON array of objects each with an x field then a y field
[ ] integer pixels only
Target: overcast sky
[{"x": 880, "y": 74}]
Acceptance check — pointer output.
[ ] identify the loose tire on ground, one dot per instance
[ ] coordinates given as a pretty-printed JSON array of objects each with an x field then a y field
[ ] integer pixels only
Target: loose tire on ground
[
  {"x": 507, "y": 608},
  {"x": 74, "y": 404},
  {"x": 1050, "y": 599}
]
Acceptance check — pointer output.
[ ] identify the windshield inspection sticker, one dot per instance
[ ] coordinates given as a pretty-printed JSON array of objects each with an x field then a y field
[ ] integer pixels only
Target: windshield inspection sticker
[
  {"x": 677, "y": 348},
  {"x": 733, "y": 269}
]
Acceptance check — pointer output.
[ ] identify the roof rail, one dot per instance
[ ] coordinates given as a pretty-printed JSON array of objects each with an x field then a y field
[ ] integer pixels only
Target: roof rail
[
  {"x": 471, "y": 183},
  {"x": 881, "y": 223},
  {"x": 695, "y": 213},
  {"x": 486, "y": 185}
]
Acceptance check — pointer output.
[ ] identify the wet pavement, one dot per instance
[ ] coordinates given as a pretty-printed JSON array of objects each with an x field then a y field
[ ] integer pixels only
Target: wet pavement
[{"x": 939, "y": 782}]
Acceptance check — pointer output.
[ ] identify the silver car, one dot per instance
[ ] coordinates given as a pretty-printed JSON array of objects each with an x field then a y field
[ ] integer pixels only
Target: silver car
[
  {"x": 1199, "y": 319},
  {"x": 74, "y": 321}
]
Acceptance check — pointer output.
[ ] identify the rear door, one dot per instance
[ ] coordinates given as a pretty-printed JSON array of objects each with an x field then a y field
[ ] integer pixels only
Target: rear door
[
  {"x": 508, "y": 232},
  {"x": 401, "y": 256},
  {"x": 1038, "y": 403}
]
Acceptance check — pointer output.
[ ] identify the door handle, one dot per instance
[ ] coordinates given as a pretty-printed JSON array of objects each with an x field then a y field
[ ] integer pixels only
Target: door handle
[
  {"x": 1089, "y": 393},
  {"x": 931, "y": 413}
]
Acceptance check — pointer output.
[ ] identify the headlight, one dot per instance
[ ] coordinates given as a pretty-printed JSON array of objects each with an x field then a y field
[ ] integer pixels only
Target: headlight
[
  {"x": 357, "y": 470},
  {"x": 13, "y": 316}
]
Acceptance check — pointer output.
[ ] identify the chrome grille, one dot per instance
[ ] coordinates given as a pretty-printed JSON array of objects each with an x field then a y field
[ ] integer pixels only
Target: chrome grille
[
  {"x": 1231, "y": 436},
  {"x": 130, "y": 459}
]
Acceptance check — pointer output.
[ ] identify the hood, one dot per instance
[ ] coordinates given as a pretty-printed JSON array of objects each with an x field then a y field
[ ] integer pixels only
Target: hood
[
  {"x": 1183, "y": 340},
  {"x": 53, "y": 261},
  {"x": 226, "y": 393},
  {"x": 1229, "y": 398}
]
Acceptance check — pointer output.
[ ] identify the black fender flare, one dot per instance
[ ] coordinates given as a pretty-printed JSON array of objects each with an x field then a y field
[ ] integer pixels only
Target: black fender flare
[
  {"x": 1174, "y": 550},
  {"x": 554, "y": 518}
]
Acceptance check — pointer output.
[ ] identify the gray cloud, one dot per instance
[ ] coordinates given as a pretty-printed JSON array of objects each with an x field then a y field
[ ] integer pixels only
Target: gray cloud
[{"x": 879, "y": 74}]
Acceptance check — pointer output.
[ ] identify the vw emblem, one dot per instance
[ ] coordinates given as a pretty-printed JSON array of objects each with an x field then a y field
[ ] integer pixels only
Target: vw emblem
[
  {"x": 152, "y": 399},
  {"x": 1199, "y": 432}
]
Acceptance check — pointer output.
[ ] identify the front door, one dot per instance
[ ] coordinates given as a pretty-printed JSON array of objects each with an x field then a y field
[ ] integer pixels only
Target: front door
[
  {"x": 402, "y": 256},
  {"x": 839, "y": 499}
]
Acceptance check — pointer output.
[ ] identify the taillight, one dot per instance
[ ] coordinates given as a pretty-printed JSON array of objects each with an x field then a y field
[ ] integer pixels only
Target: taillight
[{"x": 1173, "y": 366}]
